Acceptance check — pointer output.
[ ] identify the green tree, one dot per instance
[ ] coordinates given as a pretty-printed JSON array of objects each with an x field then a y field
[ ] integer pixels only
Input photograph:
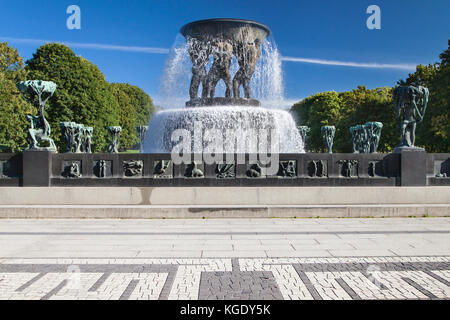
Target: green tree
[
  {"x": 344, "y": 110},
  {"x": 13, "y": 108},
  {"x": 321, "y": 109},
  {"x": 363, "y": 105},
  {"x": 135, "y": 109},
  {"x": 83, "y": 95}
]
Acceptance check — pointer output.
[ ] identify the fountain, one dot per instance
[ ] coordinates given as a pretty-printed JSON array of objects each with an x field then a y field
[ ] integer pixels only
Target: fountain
[{"x": 232, "y": 123}]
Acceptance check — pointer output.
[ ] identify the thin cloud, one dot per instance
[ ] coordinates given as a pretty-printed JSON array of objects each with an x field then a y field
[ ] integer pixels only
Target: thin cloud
[
  {"x": 157, "y": 50},
  {"x": 408, "y": 67},
  {"x": 96, "y": 46}
]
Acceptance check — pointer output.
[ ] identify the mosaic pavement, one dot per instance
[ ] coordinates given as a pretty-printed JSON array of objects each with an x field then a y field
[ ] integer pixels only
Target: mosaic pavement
[{"x": 230, "y": 279}]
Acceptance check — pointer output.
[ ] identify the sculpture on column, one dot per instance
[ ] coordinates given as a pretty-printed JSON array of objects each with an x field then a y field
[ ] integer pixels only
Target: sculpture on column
[
  {"x": 142, "y": 132},
  {"x": 410, "y": 106},
  {"x": 359, "y": 139},
  {"x": 114, "y": 132},
  {"x": 87, "y": 145},
  {"x": 222, "y": 51},
  {"x": 373, "y": 135},
  {"x": 247, "y": 54},
  {"x": 365, "y": 138},
  {"x": 78, "y": 137},
  {"x": 68, "y": 132},
  {"x": 40, "y": 131},
  {"x": 328, "y": 133},
  {"x": 303, "y": 131}
]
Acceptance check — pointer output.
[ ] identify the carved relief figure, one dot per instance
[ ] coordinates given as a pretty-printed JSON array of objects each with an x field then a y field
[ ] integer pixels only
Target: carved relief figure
[
  {"x": 347, "y": 167},
  {"x": 193, "y": 171},
  {"x": 225, "y": 170},
  {"x": 133, "y": 168},
  {"x": 72, "y": 170},
  {"x": 287, "y": 169},
  {"x": 102, "y": 168},
  {"x": 255, "y": 171}
]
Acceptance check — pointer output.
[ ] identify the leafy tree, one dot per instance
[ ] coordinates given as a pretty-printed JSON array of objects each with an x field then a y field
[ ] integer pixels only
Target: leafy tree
[
  {"x": 83, "y": 95},
  {"x": 363, "y": 105},
  {"x": 135, "y": 109},
  {"x": 13, "y": 108},
  {"x": 322, "y": 109}
]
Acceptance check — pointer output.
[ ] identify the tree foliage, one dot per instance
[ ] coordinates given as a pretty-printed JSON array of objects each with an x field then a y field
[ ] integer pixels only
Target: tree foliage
[
  {"x": 344, "y": 110},
  {"x": 13, "y": 108},
  {"x": 135, "y": 109},
  {"x": 83, "y": 95},
  {"x": 319, "y": 110}
]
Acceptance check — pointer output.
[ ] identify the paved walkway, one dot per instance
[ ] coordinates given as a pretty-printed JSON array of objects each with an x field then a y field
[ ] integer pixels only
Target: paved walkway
[{"x": 225, "y": 259}]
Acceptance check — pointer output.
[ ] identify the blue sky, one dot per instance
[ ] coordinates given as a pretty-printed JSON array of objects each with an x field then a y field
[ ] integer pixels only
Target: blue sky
[{"x": 412, "y": 32}]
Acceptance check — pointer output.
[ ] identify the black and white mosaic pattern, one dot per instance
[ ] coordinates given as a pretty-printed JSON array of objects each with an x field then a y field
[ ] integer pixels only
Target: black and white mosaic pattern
[{"x": 229, "y": 279}]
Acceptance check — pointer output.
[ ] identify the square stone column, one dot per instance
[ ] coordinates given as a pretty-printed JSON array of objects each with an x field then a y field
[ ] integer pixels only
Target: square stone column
[
  {"x": 413, "y": 166},
  {"x": 37, "y": 168}
]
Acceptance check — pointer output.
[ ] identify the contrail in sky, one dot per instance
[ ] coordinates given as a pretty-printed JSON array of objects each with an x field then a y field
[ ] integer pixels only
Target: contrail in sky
[
  {"x": 409, "y": 67},
  {"x": 156, "y": 50},
  {"x": 95, "y": 46}
]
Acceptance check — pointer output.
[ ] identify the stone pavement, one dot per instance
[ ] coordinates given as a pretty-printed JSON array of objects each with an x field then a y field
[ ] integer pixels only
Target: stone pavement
[{"x": 225, "y": 259}]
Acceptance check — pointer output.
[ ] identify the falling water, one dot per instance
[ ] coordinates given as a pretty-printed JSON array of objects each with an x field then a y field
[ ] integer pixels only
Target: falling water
[
  {"x": 255, "y": 124},
  {"x": 266, "y": 84},
  {"x": 227, "y": 129}
]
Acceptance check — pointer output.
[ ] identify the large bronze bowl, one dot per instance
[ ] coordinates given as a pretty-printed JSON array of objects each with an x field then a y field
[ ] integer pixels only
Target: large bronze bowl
[{"x": 225, "y": 28}]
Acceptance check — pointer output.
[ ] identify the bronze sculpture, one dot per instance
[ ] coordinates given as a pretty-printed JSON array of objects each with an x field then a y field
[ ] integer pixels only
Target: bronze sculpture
[
  {"x": 410, "y": 106},
  {"x": 223, "y": 39},
  {"x": 40, "y": 131}
]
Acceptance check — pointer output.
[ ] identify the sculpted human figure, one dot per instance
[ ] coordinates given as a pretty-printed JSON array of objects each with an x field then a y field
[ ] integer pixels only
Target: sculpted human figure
[
  {"x": 199, "y": 52},
  {"x": 373, "y": 135},
  {"x": 78, "y": 137},
  {"x": 142, "y": 132},
  {"x": 88, "y": 131},
  {"x": 410, "y": 106},
  {"x": 328, "y": 133},
  {"x": 247, "y": 54},
  {"x": 40, "y": 130},
  {"x": 114, "y": 132},
  {"x": 222, "y": 51}
]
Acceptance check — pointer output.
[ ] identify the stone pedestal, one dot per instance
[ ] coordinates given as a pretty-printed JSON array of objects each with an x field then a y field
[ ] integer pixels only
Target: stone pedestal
[
  {"x": 37, "y": 168},
  {"x": 221, "y": 101},
  {"x": 412, "y": 166}
]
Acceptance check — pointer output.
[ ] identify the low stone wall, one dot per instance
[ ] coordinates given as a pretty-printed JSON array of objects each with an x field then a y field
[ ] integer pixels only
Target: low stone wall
[
  {"x": 45, "y": 169},
  {"x": 223, "y": 202}
]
